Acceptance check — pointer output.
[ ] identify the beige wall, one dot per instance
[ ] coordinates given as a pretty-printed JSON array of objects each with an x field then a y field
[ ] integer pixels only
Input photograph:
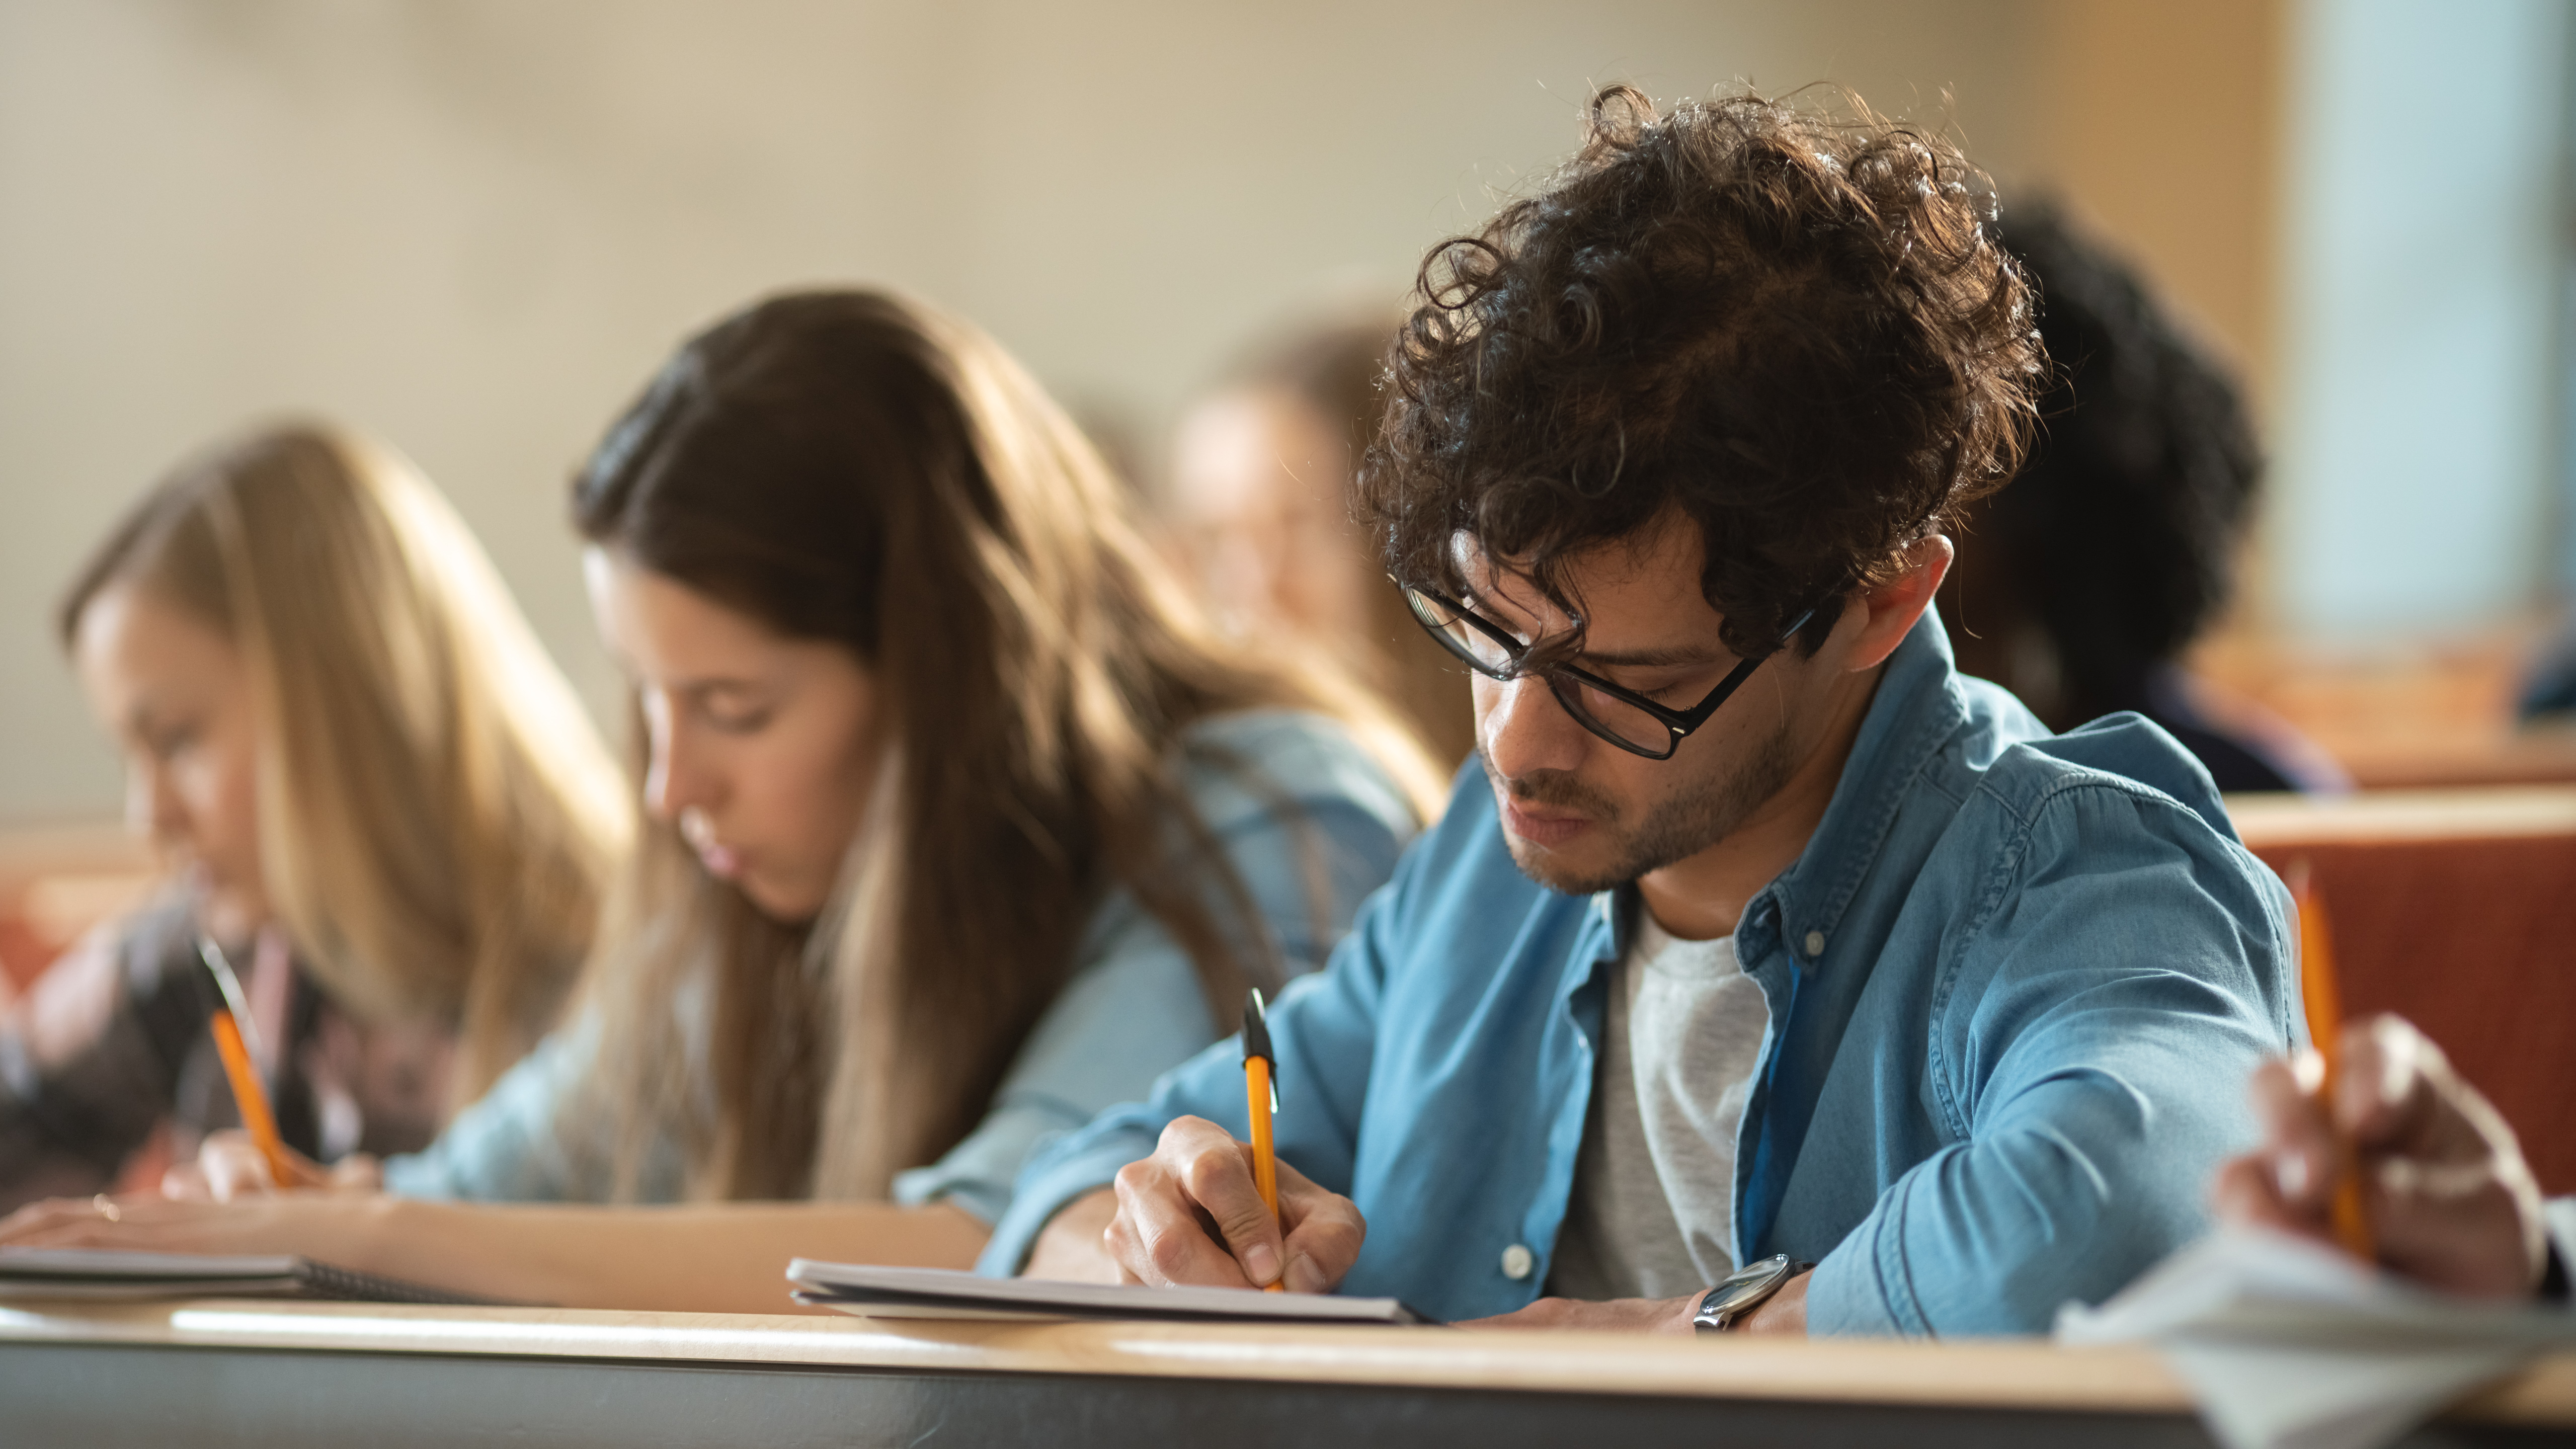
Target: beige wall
[
  {"x": 474, "y": 225},
  {"x": 2161, "y": 124}
]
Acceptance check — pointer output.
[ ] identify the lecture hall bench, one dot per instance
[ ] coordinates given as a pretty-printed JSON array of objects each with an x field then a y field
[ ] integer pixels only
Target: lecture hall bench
[{"x": 2457, "y": 910}]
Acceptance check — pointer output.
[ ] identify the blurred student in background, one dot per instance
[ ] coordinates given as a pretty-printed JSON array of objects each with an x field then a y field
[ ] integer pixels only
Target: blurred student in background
[
  {"x": 2450, "y": 1200},
  {"x": 373, "y": 793},
  {"x": 1262, "y": 472},
  {"x": 2082, "y": 583},
  {"x": 962, "y": 829}
]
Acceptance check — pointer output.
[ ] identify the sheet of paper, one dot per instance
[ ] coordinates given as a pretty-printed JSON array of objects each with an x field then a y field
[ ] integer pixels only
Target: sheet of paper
[
  {"x": 945, "y": 1293},
  {"x": 2289, "y": 1345}
]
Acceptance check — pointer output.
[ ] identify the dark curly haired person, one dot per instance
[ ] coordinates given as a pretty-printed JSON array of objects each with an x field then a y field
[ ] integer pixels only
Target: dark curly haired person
[
  {"x": 1757, "y": 937},
  {"x": 2079, "y": 586}
]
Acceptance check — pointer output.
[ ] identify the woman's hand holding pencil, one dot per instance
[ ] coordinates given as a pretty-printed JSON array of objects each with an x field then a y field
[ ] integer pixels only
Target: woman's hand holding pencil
[{"x": 231, "y": 1164}]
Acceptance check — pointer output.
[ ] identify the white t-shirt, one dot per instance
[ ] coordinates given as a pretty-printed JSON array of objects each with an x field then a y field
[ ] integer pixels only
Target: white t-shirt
[{"x": 1653, "y": 1209}]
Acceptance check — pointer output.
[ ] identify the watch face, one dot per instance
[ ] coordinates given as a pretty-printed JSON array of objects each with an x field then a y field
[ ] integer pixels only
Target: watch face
[
  {"x": 1729, "y": 1294},
  {"x": 1745, "y": 1285}
]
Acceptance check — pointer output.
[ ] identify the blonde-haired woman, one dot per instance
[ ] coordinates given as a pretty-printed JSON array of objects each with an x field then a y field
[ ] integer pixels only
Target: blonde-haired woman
[
  {"x": 963, "y": 828},
  {"x": 373, "y": 792}
]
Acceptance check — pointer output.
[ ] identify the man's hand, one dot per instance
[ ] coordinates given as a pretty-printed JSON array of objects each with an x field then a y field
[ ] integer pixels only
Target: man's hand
[
  {"x": 1783, "y": 1312},
  {"x": 1190, "y": 1214},
  {"x": 2450, "y": 1200},
  {"x": 1073, "y": 1246}
]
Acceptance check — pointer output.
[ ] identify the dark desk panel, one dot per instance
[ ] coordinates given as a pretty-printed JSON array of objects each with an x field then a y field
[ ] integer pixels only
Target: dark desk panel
[{"x": 269, "y": 1376}]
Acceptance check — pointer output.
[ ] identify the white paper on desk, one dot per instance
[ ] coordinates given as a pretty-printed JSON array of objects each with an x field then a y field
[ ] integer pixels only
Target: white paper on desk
[
  {"x": 877, "y": 1292},
  {"x": 2289, "y": 1345}
]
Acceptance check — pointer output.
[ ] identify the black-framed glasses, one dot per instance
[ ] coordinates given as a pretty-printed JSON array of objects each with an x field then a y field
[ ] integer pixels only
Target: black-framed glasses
[{"x": 1622, "y": 716}]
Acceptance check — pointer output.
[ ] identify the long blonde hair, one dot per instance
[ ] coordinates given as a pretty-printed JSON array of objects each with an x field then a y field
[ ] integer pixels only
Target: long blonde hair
[
  {"x": 437, "y": 816},
  {"x": 857, "y": 468}
]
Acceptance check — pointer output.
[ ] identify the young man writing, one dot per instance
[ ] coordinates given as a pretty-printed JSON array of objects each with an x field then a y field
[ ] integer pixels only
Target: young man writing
[{"x": 1760, "y": 931}]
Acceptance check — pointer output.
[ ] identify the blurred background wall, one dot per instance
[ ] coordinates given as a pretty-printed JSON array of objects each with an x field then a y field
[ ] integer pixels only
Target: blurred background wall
[{"x": 473, "y": 226}]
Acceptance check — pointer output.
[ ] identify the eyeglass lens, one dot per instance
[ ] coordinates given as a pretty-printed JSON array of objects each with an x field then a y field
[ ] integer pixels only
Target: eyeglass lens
[{"x": 1605, "y": 714}]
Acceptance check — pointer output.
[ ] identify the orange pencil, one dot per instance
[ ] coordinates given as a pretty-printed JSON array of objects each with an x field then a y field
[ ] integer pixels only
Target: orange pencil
[
  {"x": 240, "y": 1070},
  {"x": 2325, "y": 1027},
  {"x": 1261, "y": 1090}
]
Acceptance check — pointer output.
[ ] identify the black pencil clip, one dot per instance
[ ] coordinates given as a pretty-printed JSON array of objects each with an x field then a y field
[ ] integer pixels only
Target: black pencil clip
[{"x": 1256, "y": 1040}]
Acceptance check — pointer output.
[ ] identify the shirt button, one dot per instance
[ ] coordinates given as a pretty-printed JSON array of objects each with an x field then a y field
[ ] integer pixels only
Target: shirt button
[
  {"x": 1815, "y": 943},
  {"x": 1517, "y": 1262}
]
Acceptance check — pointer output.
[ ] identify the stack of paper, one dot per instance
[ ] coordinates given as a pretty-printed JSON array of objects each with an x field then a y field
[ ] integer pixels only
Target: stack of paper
[
  {"x": 2290, "y": 1345},
  {"x": 943, "y": 1293},
  {"x": 103, "y": 1273}
]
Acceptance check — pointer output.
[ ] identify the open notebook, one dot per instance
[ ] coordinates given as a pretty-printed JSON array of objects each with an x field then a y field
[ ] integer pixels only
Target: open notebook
[
  {"x": 945, "y": 1293},
  {"x": 98, "y": 1273}
]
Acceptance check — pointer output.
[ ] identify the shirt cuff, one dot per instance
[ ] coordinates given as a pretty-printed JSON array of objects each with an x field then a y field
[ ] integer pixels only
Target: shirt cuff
[
  {"x": 1844, "y": 1296},
  {"x": 1048, "y": 1186},
  {"x": 922, "y": 1186}
]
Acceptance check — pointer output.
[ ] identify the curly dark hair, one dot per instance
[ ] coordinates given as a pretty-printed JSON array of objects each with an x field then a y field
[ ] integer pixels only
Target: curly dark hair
[
  {"x": 2122, "y": 527},
  {"x": 1793, "y": 327}
]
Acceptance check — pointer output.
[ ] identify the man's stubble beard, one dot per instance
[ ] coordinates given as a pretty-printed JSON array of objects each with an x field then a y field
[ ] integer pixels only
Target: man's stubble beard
[{"x": 1675, "y": 828}]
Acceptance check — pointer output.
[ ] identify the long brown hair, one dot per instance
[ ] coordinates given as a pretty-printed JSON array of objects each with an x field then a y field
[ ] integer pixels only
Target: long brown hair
[
  {"x": 438, "y": 819},
  {"x": 857, "y": 468}
]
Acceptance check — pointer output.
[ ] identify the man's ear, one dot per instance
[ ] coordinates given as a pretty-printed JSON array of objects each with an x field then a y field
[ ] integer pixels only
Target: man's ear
[{"x": 1889, "y": 611}]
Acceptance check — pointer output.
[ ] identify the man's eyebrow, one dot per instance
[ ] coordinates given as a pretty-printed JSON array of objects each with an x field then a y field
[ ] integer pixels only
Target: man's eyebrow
[{"x": 1653, "y": 658}]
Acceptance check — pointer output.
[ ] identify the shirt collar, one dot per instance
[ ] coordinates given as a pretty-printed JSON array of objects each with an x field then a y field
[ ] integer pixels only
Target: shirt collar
[{"x": 1918, "y": 706}]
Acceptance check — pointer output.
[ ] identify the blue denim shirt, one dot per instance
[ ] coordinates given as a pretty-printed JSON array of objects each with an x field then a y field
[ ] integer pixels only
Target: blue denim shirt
[
  {"x": 1310, "y": 823},
  {"x": 2016, "y": 982}
]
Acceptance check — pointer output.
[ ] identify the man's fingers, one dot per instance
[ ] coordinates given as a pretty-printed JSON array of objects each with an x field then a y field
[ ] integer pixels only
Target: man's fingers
[
  {"x": 1222, "y": 1185},
  {"x": 2247, "y": 1191},
  {"x": 2298, "y": 1149},
  {"x": 1215, "y": 1171},
  {"x": 2400, "y": 1097},
  {"x": 2385, "y": 1092},
  {"x": 1191, "y": 1213},
  {"x": 1158, "y": 1236},
  {"x": 1325, "y": 1231}
]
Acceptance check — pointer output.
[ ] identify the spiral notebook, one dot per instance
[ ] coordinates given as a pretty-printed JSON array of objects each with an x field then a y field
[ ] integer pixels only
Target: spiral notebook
[
  {"x": 93, "y": 1273},
  {"x": 944, "y": 1293}
]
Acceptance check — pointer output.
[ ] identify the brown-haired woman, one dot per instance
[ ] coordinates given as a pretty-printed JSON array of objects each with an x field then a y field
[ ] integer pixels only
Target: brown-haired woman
[
  {"x": 375, "y": 796},
  {"x": 962, "y": 830}
]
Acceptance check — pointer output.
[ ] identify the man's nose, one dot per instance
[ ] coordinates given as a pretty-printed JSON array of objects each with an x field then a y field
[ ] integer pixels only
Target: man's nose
[{"x": 1525, "y": 729}]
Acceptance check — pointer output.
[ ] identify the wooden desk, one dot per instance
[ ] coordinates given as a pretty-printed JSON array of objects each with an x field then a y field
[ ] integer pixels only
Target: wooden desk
[{"x": 270, "y": 1374}]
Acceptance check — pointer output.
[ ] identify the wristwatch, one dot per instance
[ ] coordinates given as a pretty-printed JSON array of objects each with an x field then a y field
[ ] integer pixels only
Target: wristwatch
[{"x": 1740, "y": 1292}]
